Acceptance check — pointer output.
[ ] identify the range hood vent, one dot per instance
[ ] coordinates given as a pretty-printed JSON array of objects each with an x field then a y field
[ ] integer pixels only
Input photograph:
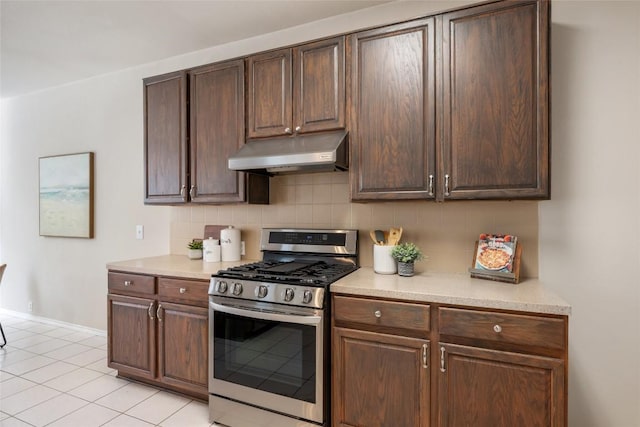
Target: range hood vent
[{"x": 322, "y": 152}]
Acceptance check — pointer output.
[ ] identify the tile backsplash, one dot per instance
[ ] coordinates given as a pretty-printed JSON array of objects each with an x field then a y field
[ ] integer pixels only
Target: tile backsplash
[{"x": 445, "y": 231}]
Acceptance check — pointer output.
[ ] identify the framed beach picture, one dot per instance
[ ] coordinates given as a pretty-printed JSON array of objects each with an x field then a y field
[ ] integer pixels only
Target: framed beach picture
[{"x": 66, "y": 195}]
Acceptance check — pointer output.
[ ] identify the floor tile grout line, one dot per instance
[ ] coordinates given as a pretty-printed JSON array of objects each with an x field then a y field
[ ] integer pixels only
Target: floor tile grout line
[
  {"x": 174, "y": 412},
  {"x": 57, "y": 419},
  {"x": 87, "y": 402},
  {"x": 89, "y": 335}
]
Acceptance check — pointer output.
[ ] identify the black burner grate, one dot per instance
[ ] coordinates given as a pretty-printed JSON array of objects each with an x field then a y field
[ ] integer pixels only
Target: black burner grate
[{"x": 318, "y": 273}]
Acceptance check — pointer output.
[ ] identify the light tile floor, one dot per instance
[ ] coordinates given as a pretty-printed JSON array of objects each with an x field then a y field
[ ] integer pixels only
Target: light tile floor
[{"x": 58, "y": 376}]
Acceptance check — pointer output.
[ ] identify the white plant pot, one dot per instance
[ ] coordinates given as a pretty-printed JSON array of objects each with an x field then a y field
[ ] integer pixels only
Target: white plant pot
[{"x": 194, "y": 253}]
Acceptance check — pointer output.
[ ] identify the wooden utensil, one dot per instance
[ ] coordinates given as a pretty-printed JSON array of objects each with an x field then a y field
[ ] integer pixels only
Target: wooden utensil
[
  {"x": 373, "y": 237},
  {"x": 394, "y": 236}
]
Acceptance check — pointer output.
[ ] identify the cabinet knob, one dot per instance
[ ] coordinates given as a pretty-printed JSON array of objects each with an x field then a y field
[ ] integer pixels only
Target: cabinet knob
[
  {"x": 128, "y": 283},
  {"x": 183, "y": 290},
  {"x": 377, "y": 313},
  {"x": 298, "y": 128},
  {"x": 497, "y": 329},
  {"x": 287, "y": 130}
]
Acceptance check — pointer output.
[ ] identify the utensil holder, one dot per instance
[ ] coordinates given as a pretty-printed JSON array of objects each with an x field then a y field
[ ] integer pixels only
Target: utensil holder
[{"x": 383, "y": 262}]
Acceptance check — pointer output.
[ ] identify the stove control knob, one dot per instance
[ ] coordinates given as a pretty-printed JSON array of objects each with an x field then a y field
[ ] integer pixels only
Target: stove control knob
[
  {"x": 261, "y": 291},
  {"x": 288, "y": 294},
  {"x": 221, "y": 287},
  {"x": 237, "y": 288},
  {"x": 307, "y": 296}
]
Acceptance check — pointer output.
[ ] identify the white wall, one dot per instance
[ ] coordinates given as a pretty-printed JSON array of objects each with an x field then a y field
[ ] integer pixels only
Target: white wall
[{"x": 588, "y": 232}]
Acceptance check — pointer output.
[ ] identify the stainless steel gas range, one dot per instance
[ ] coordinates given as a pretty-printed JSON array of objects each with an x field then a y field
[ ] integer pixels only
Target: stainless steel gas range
[{"x": 269, "y": 325}]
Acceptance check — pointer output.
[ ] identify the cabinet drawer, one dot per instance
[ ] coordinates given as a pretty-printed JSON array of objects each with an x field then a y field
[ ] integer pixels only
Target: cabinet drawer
[
  {"x": 127, "y": 283},
  {"x": 502, "y": 327},
  {"x": 390, "y": 314},
  {"x": 187, "y": 291}
]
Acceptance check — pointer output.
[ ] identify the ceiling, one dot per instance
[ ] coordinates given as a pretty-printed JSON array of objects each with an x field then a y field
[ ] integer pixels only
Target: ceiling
[{"x": 50, "y": 43}]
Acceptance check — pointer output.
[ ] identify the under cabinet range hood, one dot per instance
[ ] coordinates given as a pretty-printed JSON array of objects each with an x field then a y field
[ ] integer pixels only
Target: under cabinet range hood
[{"x": 322, "y": 152}]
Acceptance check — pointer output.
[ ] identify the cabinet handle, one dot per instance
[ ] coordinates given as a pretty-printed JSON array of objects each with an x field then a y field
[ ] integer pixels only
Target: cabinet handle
[
  {"x": 158, "y": 312},
  {"x": 431, "y": 185},
  {"x": 128, "y": 283},
  {"x": 192, "y": 192},
  {"x": 183, "y": 189},
  {"x": 442, "y": 367},
  {"x": 150, "y": 311},
  {"x": 377, "y": 313},
  {"x": 298, "y": 128},
  {"x": 497, "y": 329},
  {"x": 287, "y": 130},
  {"x": 446, "y": 185},
  {"x": 183, "y": 290},
  {"x": 425, "y": 357}
]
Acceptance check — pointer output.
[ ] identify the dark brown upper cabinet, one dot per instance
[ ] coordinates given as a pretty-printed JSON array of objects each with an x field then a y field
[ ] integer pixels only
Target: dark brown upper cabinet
[
  {"x": 392, "y": 121},
  {"x": 452, "y": 107},
  {"x": 297, "y": 90},
  {"x": 165, "y": 138},
  {"x": 495, "y": 107},
  {"x": 216, "y": 131},
  {"x": 186, "y": 150}
]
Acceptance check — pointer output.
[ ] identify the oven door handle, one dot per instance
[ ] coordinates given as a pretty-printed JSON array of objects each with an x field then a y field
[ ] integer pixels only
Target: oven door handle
[{"x": 276, "y": 317}]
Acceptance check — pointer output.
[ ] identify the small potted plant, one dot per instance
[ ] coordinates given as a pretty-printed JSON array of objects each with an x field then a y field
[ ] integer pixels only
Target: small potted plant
[
  {"x": 195, "y": 249},
  {"x": 406, "y": 254}
]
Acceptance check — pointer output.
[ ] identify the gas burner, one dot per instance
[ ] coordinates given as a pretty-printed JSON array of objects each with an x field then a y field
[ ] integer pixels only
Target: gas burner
[
  {"x": 315, "y": 273},
  {"x": 297, "y": 266}
]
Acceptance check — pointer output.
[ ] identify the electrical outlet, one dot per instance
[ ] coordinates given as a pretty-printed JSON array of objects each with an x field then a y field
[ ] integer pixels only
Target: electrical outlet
[
  {"x": 139, "y": 232},
  {"x": 30, "y": 306},
  {"x": 242, "y": 251}
]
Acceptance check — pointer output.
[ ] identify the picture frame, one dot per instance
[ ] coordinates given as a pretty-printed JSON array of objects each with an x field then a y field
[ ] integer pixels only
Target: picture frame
[{"x": 66, "y": 193}]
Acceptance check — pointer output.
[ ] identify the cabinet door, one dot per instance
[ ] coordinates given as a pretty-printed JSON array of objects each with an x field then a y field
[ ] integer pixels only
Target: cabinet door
[
  {"x": 216, "y": 132},
  {"x": 496, "y": 101},
  {"x": 183, "y": 347},
  {"x": 392, "y": 122},
  {"x": 379, "y": 380},
  {"x": 484, "y": 387},
  {"x": 165, "y": 138},
  {"x": 132, "y": 335},
  {"x": 318, "y": 88},
  {"x": 269, "y": 96}
]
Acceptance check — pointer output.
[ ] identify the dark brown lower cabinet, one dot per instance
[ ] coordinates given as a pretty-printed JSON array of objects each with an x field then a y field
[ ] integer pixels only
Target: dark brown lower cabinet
[
  {"x": 379, "y": 380},
  {"x": 484, "y": 387},
  {"x": 158, "y": 331},
  {"x": 132, "y": 332},
  {"x": 404, "y": 363},
  {"x": 182, "y": 346}
]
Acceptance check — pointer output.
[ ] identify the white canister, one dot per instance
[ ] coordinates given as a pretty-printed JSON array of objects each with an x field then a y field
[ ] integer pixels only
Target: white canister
[
  {"x": 230, "y": 244},
  {"x": 211, "y": 250},
  {"x": 383, "y": 262}
]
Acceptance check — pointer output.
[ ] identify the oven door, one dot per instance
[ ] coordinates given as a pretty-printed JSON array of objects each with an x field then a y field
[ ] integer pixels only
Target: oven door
[{"x": 268, "y": 356}]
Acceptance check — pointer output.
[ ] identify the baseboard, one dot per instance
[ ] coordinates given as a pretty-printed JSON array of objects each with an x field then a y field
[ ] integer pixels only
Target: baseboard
[{"x": 53, "y": 322}]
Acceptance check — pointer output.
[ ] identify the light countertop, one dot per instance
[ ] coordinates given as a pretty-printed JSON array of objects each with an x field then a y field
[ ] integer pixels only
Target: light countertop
[
  {"x": 458, "y": 289},
  {"x": 530, "y": 295},
  {"x": 174, "y": 266}
]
